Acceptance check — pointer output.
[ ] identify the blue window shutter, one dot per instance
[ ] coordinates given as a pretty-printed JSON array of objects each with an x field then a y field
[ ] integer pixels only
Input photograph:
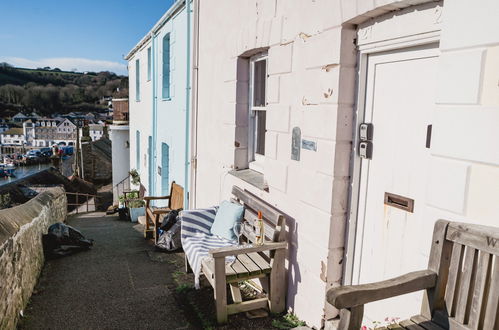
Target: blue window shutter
[
  {"x": 137, "y": 80},
  {"x": 166, "y": 66},
  {"x": 165, "y": 169},
  {"x": 137, "y": 148},
  {"x": 149, "y": 63},
  {"x": 150, "y": 169}
]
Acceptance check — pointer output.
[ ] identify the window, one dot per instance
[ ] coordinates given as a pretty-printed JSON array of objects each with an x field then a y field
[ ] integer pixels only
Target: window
[
  {"x": 137, "y": 80},
  {"x": 149, "y": 63},
  {"x": 166, "y": 66},
  {"x": 257, "y": 111},
  {"x": 137, "y": 149}
]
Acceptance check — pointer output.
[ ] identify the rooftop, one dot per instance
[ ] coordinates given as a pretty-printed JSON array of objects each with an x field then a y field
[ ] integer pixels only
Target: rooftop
[{"x": 14, "y": 131}]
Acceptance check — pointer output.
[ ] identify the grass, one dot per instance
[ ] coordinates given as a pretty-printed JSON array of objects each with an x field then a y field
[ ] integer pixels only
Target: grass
[{"x": 287, "y": 321}]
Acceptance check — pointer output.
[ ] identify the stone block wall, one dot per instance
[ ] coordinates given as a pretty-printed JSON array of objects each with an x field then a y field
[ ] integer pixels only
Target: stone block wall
[{"x": 21, "y": 251}]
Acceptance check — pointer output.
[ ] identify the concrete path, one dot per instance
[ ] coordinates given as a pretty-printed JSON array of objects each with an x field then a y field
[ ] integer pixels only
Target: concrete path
[
  {"x": 122, "y": 283},
  {"x": 114, "y": 285}
]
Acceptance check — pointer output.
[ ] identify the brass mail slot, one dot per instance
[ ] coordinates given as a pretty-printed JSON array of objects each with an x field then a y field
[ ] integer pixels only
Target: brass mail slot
[{"x": 400, "y": 202}]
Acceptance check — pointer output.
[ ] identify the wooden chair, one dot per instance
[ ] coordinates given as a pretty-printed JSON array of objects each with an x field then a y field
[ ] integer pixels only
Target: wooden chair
[
  {"x": 461, "y": 283},
  {"x": 154, "y": 214},
  {"x": 252, "y": 261}
]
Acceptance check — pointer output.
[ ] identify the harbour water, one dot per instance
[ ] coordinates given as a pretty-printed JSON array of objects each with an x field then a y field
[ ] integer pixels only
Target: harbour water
[{"x": 23, "y": 171}]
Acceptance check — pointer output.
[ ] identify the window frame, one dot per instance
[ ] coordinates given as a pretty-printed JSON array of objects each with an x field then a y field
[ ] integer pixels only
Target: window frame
[
  {"x": 255, "y": 160},
  {"x": 137, "y": 80},
  {"x": 149, "y": 64},
  {"x": 166, "y": 92}
]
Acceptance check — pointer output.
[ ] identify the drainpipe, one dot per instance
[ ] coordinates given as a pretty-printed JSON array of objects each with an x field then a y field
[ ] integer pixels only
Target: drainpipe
[
  {"x": 194, "y": 124},
  {"x": 154, "y": 114},
  {"x": 187, "y": 105}
]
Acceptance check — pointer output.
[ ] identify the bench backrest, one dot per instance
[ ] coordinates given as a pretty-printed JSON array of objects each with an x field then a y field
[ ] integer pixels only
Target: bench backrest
[
  {"x": 466, "y": 259},
  {"x": 176, "y": 200},
  {"x": 274, "y": 222}
]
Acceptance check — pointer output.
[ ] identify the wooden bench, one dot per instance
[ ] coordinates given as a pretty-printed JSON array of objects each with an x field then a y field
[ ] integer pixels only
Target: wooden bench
[
  {"x": 153, "y": 215},
  {"x": 461, "y": 283},
  {"x": 264, "y": 262}
]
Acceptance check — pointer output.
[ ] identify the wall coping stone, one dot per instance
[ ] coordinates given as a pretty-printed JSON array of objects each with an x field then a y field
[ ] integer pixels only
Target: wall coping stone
[{"x": 12, "y": 219}]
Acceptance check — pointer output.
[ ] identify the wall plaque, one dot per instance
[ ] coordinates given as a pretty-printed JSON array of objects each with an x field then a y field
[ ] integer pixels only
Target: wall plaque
[
  {"x": 295, "y": 143},
  {"x": 309, "y": 145}
]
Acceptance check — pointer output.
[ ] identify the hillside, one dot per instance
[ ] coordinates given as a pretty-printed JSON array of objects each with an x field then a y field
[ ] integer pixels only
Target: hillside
[{"x": 50, "y": 91}]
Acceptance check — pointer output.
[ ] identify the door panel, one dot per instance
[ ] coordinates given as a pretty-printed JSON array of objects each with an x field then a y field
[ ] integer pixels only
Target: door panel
[
  {"x": 399, "y": 100},
  {"x": 150, "y": 165},
  {"x": 165, "y": 169}
]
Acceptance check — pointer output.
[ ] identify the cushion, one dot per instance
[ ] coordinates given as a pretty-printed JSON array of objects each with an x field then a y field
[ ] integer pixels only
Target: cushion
[{"x": 228, "y": 215}]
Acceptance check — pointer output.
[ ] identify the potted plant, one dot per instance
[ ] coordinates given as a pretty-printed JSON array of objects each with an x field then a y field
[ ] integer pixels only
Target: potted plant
[
  {"x": 137, "y": 209},
  {"x": 135, "y": 176},
  {"x": 122, "y": 211}
]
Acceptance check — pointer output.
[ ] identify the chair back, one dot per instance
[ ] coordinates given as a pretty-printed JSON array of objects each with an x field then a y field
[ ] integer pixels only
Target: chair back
[
  {"x": 142, "y": 191},
  {"x": 176, "y": 200},
  {"x": 466, "y": 259},
  {"x": 274, "y": 222}
]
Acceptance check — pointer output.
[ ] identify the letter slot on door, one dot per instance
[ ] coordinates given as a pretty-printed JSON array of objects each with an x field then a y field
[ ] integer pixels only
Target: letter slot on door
[{"x": 400, "y": 202}]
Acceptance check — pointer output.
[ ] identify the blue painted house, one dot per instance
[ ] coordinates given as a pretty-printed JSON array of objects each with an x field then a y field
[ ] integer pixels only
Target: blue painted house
[{"x": 159, "y": 79}]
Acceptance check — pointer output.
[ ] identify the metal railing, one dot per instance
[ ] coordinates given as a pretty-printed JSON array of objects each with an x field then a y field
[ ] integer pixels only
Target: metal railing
[
  {"x": 89, "y": 200},
  {"x": 120, "y": 187}
]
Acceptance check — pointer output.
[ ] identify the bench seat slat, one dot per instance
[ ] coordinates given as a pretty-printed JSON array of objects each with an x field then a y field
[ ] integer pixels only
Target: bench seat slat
[
  {"x": 425, "y": 323},
  {"x": 239, "y": 269},
  {"x": 410, "y": 325},
  {"x": 260, "y": 262},
  {"x": 252, "y": 268}
]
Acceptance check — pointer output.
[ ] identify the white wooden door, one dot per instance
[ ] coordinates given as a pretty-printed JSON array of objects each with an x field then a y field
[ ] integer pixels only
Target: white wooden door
[{"x": 399, "y": 100}]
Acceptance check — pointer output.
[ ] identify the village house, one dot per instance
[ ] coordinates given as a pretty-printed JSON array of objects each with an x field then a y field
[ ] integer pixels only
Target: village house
[
  {"x": 13, "y": 136},
  {"x": 96, "y": 131},
  {"x": 159, "y": 71},
  {"x": 364, "y": 122}
]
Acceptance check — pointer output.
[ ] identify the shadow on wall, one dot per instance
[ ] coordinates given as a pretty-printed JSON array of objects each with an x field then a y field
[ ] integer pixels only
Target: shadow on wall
[{"x": 293, "y": 275}]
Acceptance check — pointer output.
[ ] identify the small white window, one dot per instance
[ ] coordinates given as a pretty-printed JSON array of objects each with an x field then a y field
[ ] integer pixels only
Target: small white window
[{"x": 257, "y": 111}]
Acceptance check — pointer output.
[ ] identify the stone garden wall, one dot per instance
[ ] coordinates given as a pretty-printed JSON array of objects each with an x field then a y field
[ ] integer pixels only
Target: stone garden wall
[{"x": 21, "y": 252}]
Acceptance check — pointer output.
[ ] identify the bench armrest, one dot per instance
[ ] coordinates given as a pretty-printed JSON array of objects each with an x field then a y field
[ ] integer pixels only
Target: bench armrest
[
  {"x": 149, "y": 198},
  {"x": 357, "y": 295},
  {"x": 241, "y": 249},
  {"x": 161, "y": 211}
]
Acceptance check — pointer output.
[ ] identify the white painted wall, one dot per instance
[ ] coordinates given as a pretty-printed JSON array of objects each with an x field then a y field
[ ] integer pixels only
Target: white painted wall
[
  {"x": 140, "y": 116},
  {"x": 171, "y": 113},
  {"x": 311, "y": 84},
  {"x": 120, "y": 154},
  {"x": 305, "y": 66}
]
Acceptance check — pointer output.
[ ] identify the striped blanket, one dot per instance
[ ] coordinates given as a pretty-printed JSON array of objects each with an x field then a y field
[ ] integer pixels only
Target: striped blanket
[{"x": 197, "y": 239}]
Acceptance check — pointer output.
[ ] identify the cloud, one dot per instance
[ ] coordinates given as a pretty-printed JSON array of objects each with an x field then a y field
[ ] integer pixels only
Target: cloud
[{"x": 67, "y": 64}]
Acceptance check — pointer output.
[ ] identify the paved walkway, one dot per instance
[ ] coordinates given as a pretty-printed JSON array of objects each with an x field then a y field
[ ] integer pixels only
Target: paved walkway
[{"x": 121, "y": 283}]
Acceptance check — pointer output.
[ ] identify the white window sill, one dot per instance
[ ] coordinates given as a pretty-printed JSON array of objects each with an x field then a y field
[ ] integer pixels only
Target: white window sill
[
  {"x": 252, "y": 177},
  {"x": 256, "y": 166}
]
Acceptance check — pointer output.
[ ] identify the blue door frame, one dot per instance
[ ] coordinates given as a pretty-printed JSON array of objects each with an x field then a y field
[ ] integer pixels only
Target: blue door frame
[
  {"x": 165, "y": 169},
  {"x": 150, "y": 167}
]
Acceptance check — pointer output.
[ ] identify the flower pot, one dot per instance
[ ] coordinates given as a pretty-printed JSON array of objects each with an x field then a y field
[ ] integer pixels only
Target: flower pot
[
  {"x": 136, "y": 212},
  {"x": 123, "y": 213}
]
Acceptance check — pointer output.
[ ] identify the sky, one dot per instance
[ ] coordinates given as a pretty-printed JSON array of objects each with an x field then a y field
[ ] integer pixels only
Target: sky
[{"x": 88, "y": 35}]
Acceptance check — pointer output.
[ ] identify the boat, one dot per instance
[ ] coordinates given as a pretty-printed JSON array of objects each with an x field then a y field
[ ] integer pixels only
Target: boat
[{"x": 8, "y": 169}]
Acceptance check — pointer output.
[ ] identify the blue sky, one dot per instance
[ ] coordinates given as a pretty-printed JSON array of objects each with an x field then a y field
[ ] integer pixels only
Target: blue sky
[{"x": 89, "y": 35}]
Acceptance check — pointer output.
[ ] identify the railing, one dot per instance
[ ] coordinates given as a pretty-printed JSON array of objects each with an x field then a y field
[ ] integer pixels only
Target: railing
[
  {"x": 120, "y": 187},
  {"x": 77, "y": 203}
]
